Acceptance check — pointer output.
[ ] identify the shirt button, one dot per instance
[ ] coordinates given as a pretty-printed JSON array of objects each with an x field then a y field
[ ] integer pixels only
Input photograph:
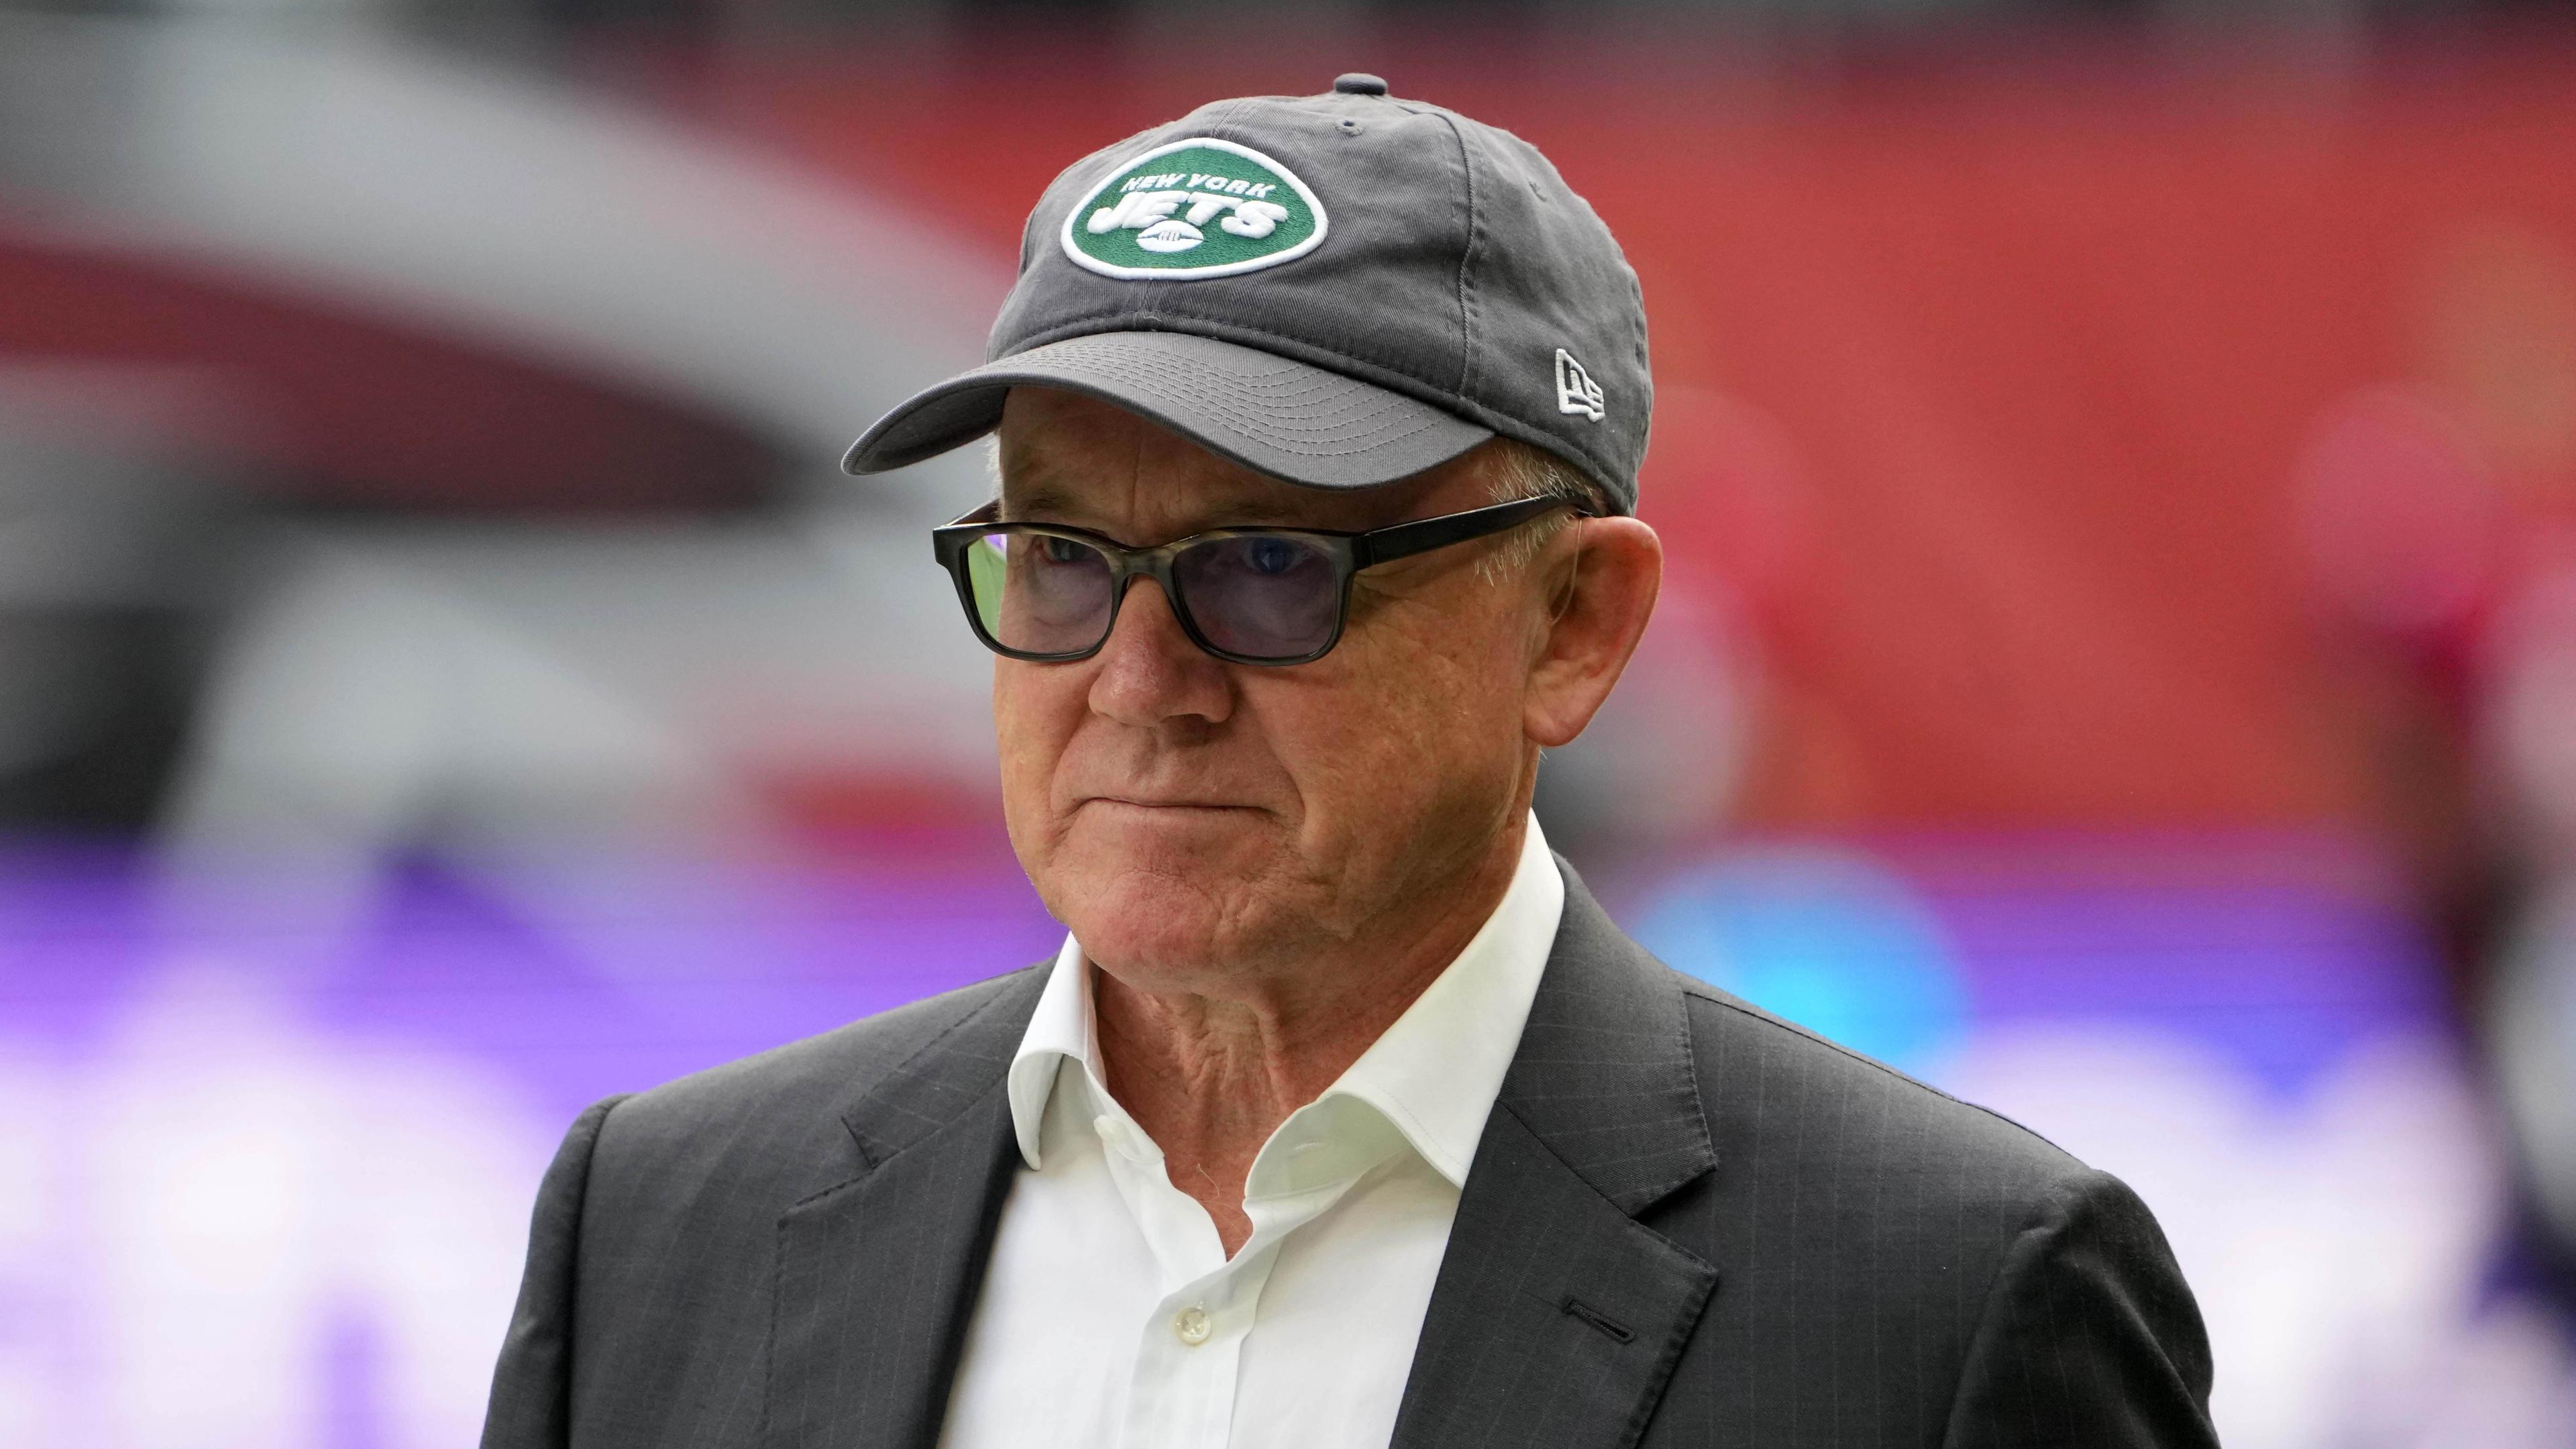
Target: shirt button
[{"x": 1191, "y": 1326}]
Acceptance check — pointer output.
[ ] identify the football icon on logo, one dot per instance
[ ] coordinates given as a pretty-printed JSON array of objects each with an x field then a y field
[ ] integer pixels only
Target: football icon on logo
[{"x": 1170, "y": 235}]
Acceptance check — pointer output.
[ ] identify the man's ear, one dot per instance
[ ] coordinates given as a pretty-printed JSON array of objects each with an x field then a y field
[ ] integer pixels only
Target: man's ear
[{"x": 1601, "y": 575}]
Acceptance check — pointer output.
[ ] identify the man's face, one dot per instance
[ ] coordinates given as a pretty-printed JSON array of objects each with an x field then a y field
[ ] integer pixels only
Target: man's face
[{"x": 1182, "y": 814}]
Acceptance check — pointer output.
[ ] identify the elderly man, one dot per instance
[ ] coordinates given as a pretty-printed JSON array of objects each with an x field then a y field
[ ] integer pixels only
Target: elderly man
[{"x": 1344, "y": 1117}]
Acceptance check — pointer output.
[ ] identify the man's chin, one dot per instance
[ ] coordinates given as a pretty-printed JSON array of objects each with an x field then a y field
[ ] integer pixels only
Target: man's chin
[
  {"x": 1149, "y": 887},
  {"x": 1159, "y": 932}
]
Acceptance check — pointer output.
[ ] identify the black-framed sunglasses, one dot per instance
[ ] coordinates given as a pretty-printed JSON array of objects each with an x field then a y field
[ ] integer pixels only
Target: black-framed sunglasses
[{"x": 1273, "y": 596}]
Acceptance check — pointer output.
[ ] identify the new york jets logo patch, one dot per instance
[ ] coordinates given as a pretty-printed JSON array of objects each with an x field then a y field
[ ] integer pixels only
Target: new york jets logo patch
[{"x": 1196, "y": 208}]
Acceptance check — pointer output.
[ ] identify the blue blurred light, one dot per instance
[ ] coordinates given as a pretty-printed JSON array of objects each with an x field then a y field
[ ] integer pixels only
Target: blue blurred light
[{"x": 1826, "y": 938}]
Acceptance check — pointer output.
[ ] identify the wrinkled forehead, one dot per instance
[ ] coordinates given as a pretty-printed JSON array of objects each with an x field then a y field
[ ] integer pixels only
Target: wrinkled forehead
[{"x": 1065, "y": 457}]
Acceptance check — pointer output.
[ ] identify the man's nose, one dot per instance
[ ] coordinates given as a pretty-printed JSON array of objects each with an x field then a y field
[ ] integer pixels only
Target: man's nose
[{"x": 1149, "y": 671}]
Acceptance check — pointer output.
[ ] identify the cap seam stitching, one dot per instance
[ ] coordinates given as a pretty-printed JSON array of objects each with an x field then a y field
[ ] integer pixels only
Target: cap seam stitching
[
  {"x": 1466, "y": 259},
  {"x": 1219, "y": 126}
]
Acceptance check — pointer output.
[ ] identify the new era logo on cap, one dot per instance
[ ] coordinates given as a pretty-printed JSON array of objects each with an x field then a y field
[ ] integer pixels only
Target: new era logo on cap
[
  {"x": 1195, "y": 208},
  {"x": 1576, "y": 392}
]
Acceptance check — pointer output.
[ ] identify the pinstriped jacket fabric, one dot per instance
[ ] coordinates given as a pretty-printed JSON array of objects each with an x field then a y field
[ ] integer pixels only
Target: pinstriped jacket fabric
[{"x": 1688, "y": 1224}]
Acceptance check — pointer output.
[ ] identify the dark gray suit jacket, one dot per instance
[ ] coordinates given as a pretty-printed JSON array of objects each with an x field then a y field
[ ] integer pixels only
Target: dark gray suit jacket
[{"x": 1688, "y": 1223}]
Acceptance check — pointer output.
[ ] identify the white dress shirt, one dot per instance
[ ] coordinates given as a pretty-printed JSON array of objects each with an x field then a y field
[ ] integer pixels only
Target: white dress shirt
[{"x": 1110, "y": 1314}]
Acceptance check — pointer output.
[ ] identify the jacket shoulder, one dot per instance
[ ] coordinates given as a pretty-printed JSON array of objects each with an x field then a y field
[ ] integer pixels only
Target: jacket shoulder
[
  {"x": 1913, "y": 1268},
  {"x": 669, "y": 1234},
  {"x": 1777, "y": 1091}
]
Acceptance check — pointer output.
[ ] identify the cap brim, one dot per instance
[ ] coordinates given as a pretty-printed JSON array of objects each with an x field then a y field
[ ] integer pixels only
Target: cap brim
[{"x": 1270, "y": 413}]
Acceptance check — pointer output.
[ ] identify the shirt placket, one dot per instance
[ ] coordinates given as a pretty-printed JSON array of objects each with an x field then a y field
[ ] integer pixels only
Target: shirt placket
[
  {"x": 1190, "y": 1347},
  {"x": 1190, "y": 1351}
]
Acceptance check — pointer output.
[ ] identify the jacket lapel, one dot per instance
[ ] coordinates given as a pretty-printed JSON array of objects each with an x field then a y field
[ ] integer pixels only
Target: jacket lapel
[
  {"x": 1557, "y": 1317},
  {"x": 878, "y": 1274}
]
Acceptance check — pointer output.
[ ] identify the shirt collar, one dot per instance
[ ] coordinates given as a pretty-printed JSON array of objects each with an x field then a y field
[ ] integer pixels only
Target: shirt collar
[
  {"x": 1434, "y": 1074},
  {"x": 1062, "y": 1028}
]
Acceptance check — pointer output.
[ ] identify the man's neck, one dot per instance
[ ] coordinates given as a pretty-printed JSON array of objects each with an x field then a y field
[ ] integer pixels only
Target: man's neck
[{"x": 1211, "y": 1076}]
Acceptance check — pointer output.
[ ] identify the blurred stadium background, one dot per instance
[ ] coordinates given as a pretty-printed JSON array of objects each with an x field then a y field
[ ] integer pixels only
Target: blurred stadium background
[{"x": 2119, "y": 458}]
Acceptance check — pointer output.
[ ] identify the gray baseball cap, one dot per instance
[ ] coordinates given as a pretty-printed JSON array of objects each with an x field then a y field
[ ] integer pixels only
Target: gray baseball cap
[{"x": 1338, "y": 290}]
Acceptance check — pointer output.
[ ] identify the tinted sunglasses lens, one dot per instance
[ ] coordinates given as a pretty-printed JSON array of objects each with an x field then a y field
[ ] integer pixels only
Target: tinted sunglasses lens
[
  {"x": 1038, "y": 593},
  {"x": 1261, "y": 595}
]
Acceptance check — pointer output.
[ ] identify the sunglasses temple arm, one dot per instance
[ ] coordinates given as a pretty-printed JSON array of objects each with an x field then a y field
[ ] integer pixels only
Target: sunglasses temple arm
[{"x": 1407, "y": 539}]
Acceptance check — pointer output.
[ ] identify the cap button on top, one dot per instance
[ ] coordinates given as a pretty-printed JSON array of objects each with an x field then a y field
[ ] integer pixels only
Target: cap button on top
[{"x": 1360, "y": 83}]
